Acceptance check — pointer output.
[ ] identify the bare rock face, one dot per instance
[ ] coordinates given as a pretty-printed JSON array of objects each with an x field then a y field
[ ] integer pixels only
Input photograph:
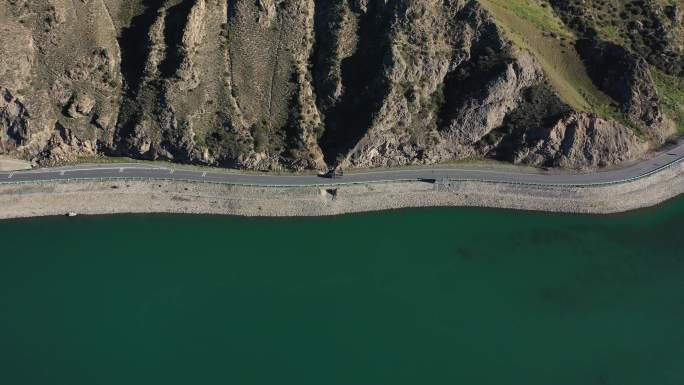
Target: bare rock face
[
  {"x": 451, "y": 77},
  {"x": 582, "y": 141},
  {"x": 81, "y": 106},
  {"x": 299, "y": 84},
  {"x": 65, "y": 147},
  {"x": 14, "y": 121},
  {"x": 63, "y": 68},
  {"x": 18, "y": 56},
  {"x": 16, "y": 65},
  {"x": 627, "y": 79}
]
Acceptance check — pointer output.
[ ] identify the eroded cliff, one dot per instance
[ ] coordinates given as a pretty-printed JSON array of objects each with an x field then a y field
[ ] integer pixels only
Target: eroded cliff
[{"x": 265, "y": 84}]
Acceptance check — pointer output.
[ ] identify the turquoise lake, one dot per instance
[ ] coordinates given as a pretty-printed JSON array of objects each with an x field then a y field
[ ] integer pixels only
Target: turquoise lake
[{"x": 429, "y": 296}]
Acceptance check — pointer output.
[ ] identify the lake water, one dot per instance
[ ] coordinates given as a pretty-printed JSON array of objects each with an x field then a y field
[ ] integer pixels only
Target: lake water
[{"x": 430, "y": 296}]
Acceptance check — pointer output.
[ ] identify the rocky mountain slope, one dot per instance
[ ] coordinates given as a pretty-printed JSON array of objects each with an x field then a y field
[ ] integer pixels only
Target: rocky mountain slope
[{"x": 308, "y": 84}]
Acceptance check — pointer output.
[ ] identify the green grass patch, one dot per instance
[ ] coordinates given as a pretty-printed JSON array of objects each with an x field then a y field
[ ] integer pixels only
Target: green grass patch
[
  {"x": 611, "y": 33},
  {"x": 537, "y": 13},
  {"x": 671, "y": 91},
  {"x": 533, "y": 26}
]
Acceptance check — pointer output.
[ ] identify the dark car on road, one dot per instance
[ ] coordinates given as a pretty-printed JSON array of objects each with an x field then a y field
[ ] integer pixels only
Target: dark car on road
[{"x": 332, "y": 174}]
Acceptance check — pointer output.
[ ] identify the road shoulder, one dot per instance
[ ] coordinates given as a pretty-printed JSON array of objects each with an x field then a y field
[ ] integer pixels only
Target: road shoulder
[
  {"x": 122, "y": 196},
  {"x": 12, "y": 164}
]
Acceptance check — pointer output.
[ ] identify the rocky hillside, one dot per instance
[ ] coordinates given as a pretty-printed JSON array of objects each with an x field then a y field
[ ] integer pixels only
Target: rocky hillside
[{"x": 308, "y": 84}]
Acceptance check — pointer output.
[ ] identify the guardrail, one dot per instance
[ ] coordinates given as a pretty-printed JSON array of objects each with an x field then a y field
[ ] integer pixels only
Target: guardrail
[{"x": 345, "y": 183}]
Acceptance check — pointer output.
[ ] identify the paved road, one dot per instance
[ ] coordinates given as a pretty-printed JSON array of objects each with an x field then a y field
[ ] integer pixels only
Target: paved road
[{"x": 142, "y": 171}]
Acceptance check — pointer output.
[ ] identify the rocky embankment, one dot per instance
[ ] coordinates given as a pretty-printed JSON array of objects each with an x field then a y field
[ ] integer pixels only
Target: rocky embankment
[
  {"x": 306, "y": 84},
  {"x": 112, "y": 197}
]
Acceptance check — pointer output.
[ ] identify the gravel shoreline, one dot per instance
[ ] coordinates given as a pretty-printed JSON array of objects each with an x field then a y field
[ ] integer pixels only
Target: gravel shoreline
[{"x": 138, "y": 196}]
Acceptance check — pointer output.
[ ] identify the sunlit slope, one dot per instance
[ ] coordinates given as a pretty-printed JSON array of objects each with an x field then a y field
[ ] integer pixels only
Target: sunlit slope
[
  {"x": 535, "y": 28},
  {"x": 671, "y": 90}
]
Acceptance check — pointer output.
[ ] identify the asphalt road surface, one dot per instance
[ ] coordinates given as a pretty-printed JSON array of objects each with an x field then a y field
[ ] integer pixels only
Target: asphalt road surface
[{"x": 142, "y": 171}]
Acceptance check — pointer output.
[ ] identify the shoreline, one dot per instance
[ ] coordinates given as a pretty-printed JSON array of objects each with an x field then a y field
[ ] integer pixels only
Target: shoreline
[{"x": 121, "y": 196}]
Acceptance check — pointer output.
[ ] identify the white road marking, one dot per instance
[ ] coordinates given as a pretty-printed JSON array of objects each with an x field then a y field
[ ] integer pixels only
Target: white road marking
[
  {"x": 418, "y": 170},
  {"x": 638, "y": 170},
  {"x": 41, "y": 171},
  {"x": 111, "y": 168}
]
